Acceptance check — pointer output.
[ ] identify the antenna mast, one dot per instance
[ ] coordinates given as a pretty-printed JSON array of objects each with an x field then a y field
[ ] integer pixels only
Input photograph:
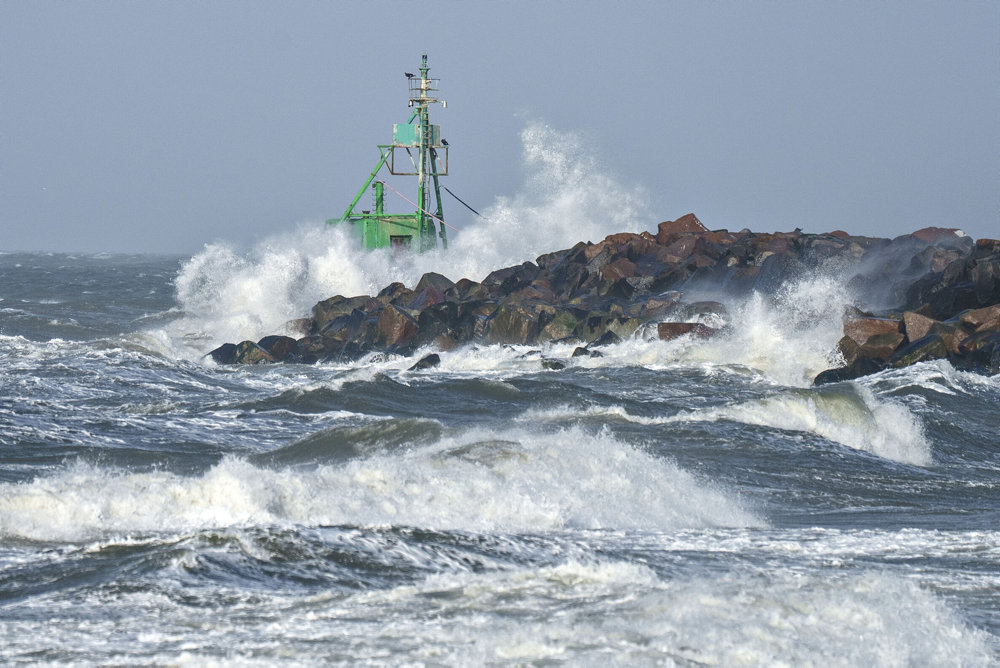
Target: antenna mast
[{"x": 417, "y": 149}]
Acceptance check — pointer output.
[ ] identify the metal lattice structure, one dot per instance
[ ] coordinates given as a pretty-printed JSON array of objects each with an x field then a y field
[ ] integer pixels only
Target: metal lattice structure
[{"x": 417, "y": 149}]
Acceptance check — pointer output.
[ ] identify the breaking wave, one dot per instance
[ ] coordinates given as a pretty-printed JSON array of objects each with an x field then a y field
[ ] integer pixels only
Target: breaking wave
[
  {"x": 229, "y": 294},
  {"x": 479, "y": 481}
]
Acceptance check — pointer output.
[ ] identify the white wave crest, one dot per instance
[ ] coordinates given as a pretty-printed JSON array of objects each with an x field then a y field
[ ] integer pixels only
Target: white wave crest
[
  {"x": 229, "y": 294},
  {"x": 850, "y": 415},
  {"x": 481, "y": 481}
]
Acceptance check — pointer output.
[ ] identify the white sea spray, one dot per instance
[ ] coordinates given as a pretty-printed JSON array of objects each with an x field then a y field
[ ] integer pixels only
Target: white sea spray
[{"x": 231, "y": 294}]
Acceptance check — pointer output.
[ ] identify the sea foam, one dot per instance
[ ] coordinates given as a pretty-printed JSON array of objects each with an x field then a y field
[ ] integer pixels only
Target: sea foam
[
  {"x": 770, "y": 618},
  {"x": 477, "y": 480},
  {"x": 851, "y": 415},
  {"x": 230, "y": 294}
]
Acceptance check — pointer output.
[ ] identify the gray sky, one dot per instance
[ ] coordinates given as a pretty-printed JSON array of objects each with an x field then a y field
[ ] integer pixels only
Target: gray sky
[{"x": 160, "y": 126}]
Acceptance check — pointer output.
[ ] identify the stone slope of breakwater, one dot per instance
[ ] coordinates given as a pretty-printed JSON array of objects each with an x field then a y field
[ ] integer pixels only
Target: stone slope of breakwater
[{"x": 938, "y": 293}]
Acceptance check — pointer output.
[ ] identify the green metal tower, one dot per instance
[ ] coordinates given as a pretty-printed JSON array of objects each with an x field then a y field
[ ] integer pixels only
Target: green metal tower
[{"x": 417, "y": 149}]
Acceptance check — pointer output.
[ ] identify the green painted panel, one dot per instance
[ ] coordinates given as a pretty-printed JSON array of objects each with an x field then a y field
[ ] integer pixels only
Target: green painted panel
[{"x": 405, "y": 134}]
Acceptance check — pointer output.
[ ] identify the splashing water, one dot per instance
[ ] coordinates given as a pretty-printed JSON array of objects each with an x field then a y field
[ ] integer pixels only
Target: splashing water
[
  {"x": 480, "y": 480},
  {"x": 789, "y": 338},
  {"x": 228, "y": 295}
]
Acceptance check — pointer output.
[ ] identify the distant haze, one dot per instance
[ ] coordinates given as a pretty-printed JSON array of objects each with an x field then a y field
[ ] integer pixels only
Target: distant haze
[{"x": 163, "y": 126}]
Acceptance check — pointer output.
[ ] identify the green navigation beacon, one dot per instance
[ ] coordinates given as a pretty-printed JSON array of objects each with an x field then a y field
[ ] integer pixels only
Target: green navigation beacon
[{"x": 417, "y": 149}]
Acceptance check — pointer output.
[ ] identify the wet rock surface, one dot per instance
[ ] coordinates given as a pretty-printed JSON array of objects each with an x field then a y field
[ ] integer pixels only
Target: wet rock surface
[{"x": 939, "y": 288}]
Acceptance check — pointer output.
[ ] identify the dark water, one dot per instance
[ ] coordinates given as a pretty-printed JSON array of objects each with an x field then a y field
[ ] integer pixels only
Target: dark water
[{"x": 678, "y": 503}]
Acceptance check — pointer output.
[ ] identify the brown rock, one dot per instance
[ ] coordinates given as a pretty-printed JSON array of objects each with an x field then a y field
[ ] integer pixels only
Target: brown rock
[
  {"x": 433, "y": 280},
  {"x": 981, "y": 319},
  {"x": 661, "y": 305},
  {"x": 395, "y": 292},
  {"x": 620, "y": 268},
  {"x": 916, "y": 326},
  {"x": 516, "y": 321},
  {"x": 426, "y": 297},
  {"x": 987, "y": 246},
  {"x": 952, "y": 333},
  {"x": 930, "y": 347},
  {"x": 934, "y": 235},
  {"x": 669, "y": 230},
  {"x": 395, "y": 328},
  {"x": 861, "y": 329},
  {"x": 882, "y": 346},
  {"x": 277, "y": 346},
  {"x": 592, "y": 251},
  {"x": 328, "y": 309},
  {"x": 668, "y": 331},
  {"x": 681, "y": 249},
  {"x": 849, "y": 350}
]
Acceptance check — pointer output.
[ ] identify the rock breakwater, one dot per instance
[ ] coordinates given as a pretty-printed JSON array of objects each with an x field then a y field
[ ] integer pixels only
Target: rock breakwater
[{"x": 935, "y": 283}]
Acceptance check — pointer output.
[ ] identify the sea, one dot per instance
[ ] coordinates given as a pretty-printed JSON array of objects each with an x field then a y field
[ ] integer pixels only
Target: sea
[{"x": 681, "y": 503}]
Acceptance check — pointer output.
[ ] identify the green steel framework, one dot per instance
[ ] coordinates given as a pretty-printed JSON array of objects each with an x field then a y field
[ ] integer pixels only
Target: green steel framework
[{"x": 419, "y": 230}]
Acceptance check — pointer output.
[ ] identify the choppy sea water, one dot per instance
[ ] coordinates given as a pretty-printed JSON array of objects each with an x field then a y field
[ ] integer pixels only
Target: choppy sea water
[{"x": 669, "y": 503}]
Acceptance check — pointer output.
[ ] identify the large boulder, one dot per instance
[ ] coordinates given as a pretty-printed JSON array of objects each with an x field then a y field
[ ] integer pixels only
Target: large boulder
[
  {"x": 668, "y": 331},
  {"x": 981, "y": 352},
  {"x": 981, "y": 319},
  {"x": 862, "y": 328},
  {"x": 930, "y": 347},
  {"x": 517, "y": 321},
  {"x": 916, "y": 326},
  {"x": 882, "y": 346},
  {"x": 669, "y": 230},
  {"x": 328, "y": 309},
  {"x": 394, "y": 329},
  {"x": 248, "y": 352},
  {"x": 278, "y": 347},
  {"x": 224, "y": 354}
]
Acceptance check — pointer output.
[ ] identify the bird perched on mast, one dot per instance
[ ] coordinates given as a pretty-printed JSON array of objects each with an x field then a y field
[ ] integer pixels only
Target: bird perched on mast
[{"x": 409, "y": 75}]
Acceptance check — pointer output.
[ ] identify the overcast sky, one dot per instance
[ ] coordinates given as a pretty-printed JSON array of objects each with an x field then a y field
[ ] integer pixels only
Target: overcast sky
[{"x": 161, "y": 126}]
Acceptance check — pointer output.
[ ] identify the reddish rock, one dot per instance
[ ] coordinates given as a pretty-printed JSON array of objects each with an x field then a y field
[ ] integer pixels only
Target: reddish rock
[
  {"x": 862, "y": 328},
  {"x": 882, "y": 346},
  {"x": 669, "y": 230},
  {"x": 720, "y": 237},
  {"x": 622, "y": 238},
  {"x": 934, "y": 235},
  {"x": 593, "y": 250},
  {"x": 395, "y": 328},
  {"x": 668, "y": 331},
  {"x": 981, "y": 319},
  {"x": 952, "y": 333},
  {"x": 916, "y": 326},
  {"x": 620, "y": 268},
  {"x": 683, "y": 248}
]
